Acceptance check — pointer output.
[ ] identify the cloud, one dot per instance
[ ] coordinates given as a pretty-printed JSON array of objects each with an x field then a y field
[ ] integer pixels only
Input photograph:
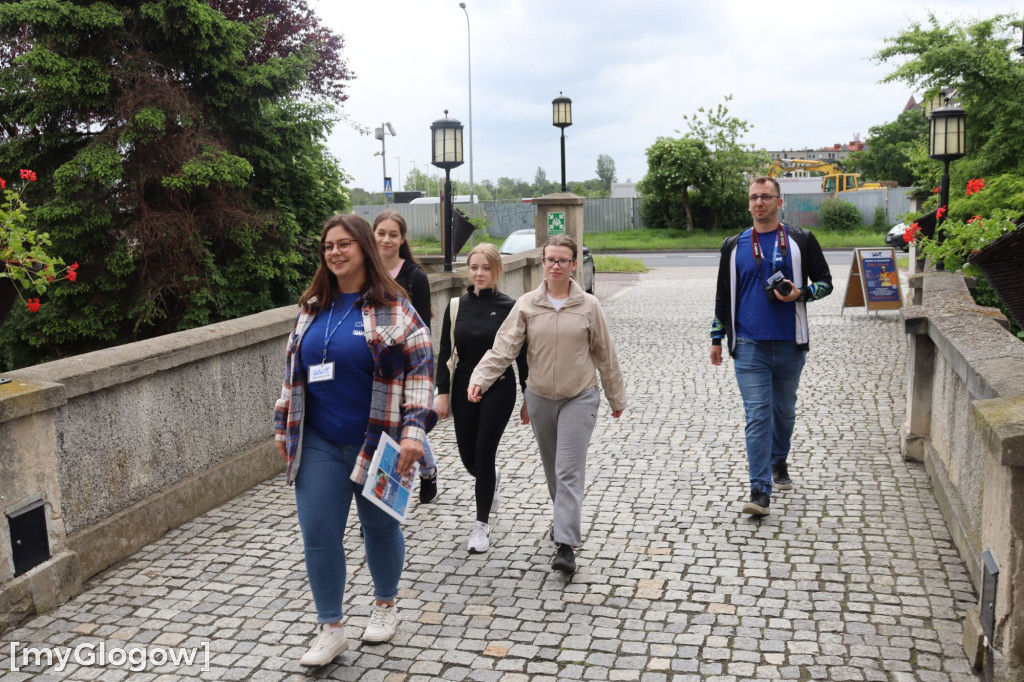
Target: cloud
[{"x": 799, "y": 73}]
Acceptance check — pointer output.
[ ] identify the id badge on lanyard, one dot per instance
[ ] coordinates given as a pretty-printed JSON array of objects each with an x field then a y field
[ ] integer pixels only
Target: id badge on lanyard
[{"x": 322, "y": 372}]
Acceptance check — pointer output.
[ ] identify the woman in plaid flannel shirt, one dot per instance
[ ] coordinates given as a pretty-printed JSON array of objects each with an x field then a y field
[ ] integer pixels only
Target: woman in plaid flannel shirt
[{"x": 359, "y": 361}]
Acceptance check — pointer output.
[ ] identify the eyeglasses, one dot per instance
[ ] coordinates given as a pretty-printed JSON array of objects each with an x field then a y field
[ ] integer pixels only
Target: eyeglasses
[
  {"x": 560, "y": 262},
  {"x": 341, "y": 247},
  {"x": 763, "y": 197}
]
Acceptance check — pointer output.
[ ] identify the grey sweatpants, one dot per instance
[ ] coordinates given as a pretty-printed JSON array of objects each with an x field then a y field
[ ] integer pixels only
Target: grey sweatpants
[{"x": 563, "y": 429}]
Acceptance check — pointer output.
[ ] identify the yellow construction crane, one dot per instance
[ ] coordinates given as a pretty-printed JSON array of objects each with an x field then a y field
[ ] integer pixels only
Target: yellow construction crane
[{"x": 833, "y": 178}]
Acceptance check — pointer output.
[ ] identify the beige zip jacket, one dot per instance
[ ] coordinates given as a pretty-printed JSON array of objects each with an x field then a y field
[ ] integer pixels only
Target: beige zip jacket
[{"x": 565, "y": 348}]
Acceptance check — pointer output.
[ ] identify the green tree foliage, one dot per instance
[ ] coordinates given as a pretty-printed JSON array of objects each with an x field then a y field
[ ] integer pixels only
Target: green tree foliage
[
  {"x": 606, "y": 171},
  {"x": 891, "y": 147},
  {"x": 674, "y": 167},
  {"x": 724, "y": 196},
  {"x": 978, "y": 60},
  {"x": 839, "y": 215},
  {"x": 177, "y": 162}
]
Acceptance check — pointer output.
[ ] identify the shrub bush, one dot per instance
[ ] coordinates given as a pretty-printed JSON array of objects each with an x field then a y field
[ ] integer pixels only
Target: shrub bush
[
  {"x": 839, "y": 215},
  {"x": 881, "y": 219}
]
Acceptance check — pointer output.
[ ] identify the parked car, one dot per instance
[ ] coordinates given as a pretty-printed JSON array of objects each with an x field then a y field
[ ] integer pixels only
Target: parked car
[
  {"x": 895, "y": 237},
  {"x": 524, "y": 240}
]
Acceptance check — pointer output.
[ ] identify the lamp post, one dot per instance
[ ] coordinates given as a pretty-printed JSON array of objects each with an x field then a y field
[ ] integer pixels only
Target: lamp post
[
  {"x": 947, "y": 137},
  {"x": 446, "y": 153},
  {"x": 561, "y": 117},
  {"x": 379, "y": 134},
  {"x": 469, "y": 66}
]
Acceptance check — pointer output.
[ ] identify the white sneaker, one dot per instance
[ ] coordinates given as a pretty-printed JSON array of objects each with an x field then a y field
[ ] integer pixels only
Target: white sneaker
[
  {"x": 496, "y": 500},
  {"x": 325, "y": 646},
  {"x": 479, "y": 538},
  {"x": 383, "y": 623}
]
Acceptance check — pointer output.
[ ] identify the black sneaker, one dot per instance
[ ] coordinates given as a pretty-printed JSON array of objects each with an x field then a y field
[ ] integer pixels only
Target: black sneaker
[
  {"x": 428, "y": 488},
  {"x": 780, "y": 477},
  {"x": 564, "y": 561},
  {"x": 758, "y": 505}
]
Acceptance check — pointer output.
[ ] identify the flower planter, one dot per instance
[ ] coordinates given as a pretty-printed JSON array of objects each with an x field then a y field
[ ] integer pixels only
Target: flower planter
[
  {"x": 1002, "y": 263},
  {"x": 8, "y": 297},
  {"x": 462, "y": 230}
]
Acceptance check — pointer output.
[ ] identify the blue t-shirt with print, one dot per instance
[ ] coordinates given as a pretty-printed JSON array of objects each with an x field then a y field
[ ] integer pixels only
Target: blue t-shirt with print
[
  {"x": 339, "y": 409},
  {"x": 757, "y": 316}
]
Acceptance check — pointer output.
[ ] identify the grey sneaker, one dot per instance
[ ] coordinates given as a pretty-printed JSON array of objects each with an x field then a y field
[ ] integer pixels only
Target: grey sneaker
[
  {"x": 758, "y": 505},
  {"x": 565, "y": 560},
  {"x": 325, "y": 646},
  {"x": 780, "y": 477}
]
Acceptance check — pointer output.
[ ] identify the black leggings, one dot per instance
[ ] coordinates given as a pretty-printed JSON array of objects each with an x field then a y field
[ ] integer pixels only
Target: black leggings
[{"x": 478, "y": 430}]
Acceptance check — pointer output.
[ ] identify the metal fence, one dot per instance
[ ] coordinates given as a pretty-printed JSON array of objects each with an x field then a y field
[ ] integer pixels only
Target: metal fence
[
  {"x": 802, "y": 209},
  {"x": 617, "y": 215}
]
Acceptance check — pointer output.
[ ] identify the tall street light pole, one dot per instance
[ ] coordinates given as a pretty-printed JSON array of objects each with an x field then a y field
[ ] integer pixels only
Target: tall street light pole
[
  {"x": 379, "y": 133},
  {"x": 561, "y": 117},
  {"x": 469, "y": 65}
]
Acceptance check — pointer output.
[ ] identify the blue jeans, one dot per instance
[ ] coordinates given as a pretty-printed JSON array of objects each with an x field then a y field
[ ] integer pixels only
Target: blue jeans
[
  {"x": 768, "y": 374},
  {"x": 323, "y": 496}
]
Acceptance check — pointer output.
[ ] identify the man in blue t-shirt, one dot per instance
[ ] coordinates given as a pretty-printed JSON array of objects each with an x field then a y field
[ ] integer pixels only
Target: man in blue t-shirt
[{"x": 766, "y": 275}]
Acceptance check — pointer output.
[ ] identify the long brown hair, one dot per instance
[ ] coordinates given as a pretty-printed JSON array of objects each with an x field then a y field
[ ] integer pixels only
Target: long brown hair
[
  {"x": 378, "y": 289},
  {"x": 404, "y": 251}
]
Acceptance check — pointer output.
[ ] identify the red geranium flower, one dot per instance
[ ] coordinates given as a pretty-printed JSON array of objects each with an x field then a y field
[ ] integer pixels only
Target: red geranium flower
[
  {"x": 72, "y": 272},
  {"x": 936, "y": 190},
  {"x": 32, "y": 304},
  {"x": 3, "y": 184},
  {"x": 28, "y": 175},
  {"x": 975, "y": 219},
  {"x": 911, "y": 232},
  {"x": 941, "y": 212},
  {"x": 976, "y": 185}
]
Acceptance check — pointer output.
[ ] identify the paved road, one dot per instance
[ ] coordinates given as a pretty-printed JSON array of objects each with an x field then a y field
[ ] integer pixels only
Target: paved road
[{"x": 853, "y": 576}]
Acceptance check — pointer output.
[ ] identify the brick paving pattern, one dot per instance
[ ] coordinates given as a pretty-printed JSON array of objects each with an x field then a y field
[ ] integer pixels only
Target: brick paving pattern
[{"x": 853, "y": 576}]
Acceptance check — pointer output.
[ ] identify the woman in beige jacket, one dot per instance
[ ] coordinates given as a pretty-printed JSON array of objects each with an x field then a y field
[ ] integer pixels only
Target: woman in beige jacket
[{"x": 568, "y": 344}]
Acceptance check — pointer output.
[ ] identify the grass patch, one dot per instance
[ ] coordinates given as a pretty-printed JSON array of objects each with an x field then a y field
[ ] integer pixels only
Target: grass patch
[
  {"x": 618, "y": 264},
  {"x": 903, "y": 262},
  {"x": 681, "y": 240},
  {"x": 429, "y": 247}
]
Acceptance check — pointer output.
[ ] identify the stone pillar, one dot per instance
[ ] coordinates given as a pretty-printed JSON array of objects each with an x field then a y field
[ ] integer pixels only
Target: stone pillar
[{"x": 561, "y": 210}]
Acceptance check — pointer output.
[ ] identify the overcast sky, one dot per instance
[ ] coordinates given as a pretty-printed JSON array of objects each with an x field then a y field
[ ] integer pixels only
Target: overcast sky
[{"x": 800, "y": 72}]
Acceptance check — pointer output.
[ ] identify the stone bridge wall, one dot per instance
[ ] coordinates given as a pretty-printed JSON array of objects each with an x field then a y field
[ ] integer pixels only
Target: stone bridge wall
[
  {"x": 965, "y": 421},
  {"x": 121, "y": 445}
]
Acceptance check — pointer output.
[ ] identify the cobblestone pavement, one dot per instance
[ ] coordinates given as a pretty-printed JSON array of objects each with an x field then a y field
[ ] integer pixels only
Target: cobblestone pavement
[{"x": 853, "y": 576}]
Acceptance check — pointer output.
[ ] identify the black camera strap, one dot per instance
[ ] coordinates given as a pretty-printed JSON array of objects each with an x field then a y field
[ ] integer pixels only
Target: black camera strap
[{"x": 755, "y": 243}]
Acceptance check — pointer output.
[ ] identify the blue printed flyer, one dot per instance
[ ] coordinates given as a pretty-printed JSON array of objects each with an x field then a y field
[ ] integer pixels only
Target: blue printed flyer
[{"x": 385, "y": 487}]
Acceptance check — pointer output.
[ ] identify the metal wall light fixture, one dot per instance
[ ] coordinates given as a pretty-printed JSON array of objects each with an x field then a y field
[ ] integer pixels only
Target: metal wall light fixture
[
  {"x": 446, "y": 153},
  {"x": 561, "y": 117}
]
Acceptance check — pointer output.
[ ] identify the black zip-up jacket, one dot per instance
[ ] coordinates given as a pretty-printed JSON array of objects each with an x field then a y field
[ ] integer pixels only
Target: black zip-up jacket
[
  {"x": 810, "y": 273},
  {"x": 476, "y": 326},
  {"x": 412, "y": 278}
]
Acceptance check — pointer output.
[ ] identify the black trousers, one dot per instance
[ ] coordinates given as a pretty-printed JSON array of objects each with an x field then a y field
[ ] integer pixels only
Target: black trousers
[{"x": 478, "y": 431}]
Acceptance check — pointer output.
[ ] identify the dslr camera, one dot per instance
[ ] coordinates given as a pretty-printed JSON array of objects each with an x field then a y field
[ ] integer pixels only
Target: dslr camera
[{"x": 777, "y": 282}]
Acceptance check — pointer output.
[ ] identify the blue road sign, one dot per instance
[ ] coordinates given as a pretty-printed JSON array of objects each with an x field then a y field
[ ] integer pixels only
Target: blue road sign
[{"x": 387, "y": 187}]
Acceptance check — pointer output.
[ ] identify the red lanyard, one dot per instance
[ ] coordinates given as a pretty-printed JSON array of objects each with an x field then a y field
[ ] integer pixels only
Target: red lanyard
[{"x": 755, "y": 243}]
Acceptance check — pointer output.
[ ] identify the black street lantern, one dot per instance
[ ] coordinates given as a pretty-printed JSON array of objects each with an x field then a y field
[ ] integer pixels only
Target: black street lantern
[
  {"x": 446, "y": 153},
  {"x": 947, "y": 143},
  {"x": 561, "y": 117}
]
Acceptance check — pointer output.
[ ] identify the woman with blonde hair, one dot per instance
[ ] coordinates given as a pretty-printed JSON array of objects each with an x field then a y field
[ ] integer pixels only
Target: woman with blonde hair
[
  {"x": 358, "y": 363},
  {"x": 480, "y": 425}
]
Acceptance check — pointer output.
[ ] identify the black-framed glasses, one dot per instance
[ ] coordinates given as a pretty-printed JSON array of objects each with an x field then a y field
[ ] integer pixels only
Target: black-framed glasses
[
  {"x": 763, "y": 197},
  {"x": 560, "y": 262}
]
